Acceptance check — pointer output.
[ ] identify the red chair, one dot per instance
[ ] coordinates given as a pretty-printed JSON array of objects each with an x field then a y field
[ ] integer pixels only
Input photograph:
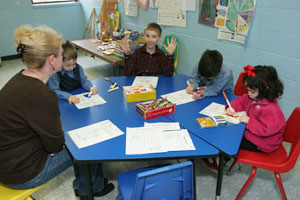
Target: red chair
[
  {"x": 239, "y": 88},
  {"x": 278, "y": 161}
]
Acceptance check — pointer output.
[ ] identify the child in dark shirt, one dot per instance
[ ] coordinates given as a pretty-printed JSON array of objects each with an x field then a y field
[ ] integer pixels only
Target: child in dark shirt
[{"x": 149, "y": 59}]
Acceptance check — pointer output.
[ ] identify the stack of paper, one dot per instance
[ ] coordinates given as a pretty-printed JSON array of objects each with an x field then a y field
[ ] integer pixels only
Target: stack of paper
[{"x": 157, "y": 138}]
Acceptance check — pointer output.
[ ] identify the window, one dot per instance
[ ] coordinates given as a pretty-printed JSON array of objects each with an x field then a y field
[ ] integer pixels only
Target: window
[{"x": 51, "y": 1}]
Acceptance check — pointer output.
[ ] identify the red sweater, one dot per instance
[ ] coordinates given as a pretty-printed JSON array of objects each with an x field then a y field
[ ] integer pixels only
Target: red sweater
[{"x": 266, "y": 124}]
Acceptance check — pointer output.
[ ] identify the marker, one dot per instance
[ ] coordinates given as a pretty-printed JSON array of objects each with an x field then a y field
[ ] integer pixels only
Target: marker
[
  {"x": 90, "y": 93},
  {"x": 226, "y": 100}
]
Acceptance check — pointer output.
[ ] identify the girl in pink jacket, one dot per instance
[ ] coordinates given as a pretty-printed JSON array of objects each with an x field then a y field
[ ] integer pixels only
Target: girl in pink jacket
[{"x": 265, "y": 120}]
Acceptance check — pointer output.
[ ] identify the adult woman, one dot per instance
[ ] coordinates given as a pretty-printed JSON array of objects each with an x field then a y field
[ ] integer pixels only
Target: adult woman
[{"x": 31, "y": 137}]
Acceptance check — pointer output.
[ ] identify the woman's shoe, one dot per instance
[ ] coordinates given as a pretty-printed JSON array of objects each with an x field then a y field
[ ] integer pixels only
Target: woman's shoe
[{"x": 107, "y": 189}]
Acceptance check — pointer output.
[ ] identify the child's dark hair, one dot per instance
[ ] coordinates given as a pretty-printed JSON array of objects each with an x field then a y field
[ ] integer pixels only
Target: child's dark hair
[
  {"x": 155, "y": 27},
  {"x": 69, "y": 51},
  {"x": 265, "y": 79},
  {"x": 210, "y": 63}
]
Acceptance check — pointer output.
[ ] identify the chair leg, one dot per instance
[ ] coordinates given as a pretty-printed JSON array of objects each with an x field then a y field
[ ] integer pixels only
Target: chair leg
[
  {"x": 278, "y": 178},
  {"x": 253, "y": 172},
  {"x": 231, "y": 166}
]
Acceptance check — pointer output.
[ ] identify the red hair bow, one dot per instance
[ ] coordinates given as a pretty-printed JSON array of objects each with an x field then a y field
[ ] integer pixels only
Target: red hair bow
[{"x": 249, "y": 70}]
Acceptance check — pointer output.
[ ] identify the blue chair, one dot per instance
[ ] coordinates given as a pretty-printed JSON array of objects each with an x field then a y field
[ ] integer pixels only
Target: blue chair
[{"x": 168, "y": 183}]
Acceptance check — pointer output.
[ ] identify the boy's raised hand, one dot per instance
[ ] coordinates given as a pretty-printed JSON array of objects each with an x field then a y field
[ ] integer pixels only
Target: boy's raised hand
[
  {"x": 125, "y": 45},
  {"x": 171, "y": 46}
]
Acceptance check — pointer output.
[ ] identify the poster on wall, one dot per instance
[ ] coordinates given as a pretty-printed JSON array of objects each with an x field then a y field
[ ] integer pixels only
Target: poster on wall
[
  {"x": 222, "y": 9},
  {"x": 171, "y": 13},
  {"x": 130, "y": 8},
  {"x": 189, "y": 5},
  {"x": 207, "y": 12},
  {"x": 153, "y": 3},
  {"x": 238, "y": 19},
  {"x": 143, "y": 4}
]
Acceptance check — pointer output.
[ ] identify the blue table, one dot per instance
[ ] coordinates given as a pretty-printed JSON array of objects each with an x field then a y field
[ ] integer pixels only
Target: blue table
[{"x": 123, "y": 115}]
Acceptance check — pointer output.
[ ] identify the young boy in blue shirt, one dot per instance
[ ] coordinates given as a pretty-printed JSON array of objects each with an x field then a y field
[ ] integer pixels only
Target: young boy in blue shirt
[
  {"x": 211, "y": 74},
  {"x": 70, "y": 77}
]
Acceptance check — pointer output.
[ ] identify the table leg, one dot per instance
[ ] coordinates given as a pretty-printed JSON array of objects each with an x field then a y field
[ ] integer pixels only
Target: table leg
[
  {"x": 220, "y": 175},
  {"x": 88, "y": 181},
  {"x": 194, "y": 178}
]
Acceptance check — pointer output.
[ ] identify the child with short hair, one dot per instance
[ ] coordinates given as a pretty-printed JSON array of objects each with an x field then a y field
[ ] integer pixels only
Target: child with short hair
[
  {"x": 149, "y": 59},
  {"x": 264, "y": 118},
  {"x": 70, "y": 77},
  {"x": 211, "y": 74}
]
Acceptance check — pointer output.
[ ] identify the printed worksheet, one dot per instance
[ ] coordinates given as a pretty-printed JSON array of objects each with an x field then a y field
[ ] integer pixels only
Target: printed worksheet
[
  {"x": 94, "y": 133},
  {"x": 165, "y": 126},
  {"x": 86, "y": 101},
  {"x": 171, "y": 13},
  {"x": 179, "y": 97},
  {"x": 213, "y": 109},
  {"x": 143, "y": 140},
  {"x": 130, "y": 8},
  {"x": 145, "y": 80},
  {"x": 216, "y": 109}
]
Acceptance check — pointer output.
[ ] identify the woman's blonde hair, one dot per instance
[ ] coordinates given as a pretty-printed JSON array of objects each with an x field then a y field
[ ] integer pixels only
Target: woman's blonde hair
[{"x": 36, "y": 44}]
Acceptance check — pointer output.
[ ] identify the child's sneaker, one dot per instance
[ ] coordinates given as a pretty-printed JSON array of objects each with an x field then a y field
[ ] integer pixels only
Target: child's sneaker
[{"x": 213, "y": 166}]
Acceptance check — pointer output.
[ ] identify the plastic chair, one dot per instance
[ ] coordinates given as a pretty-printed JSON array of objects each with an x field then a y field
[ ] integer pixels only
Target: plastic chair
[
  {"x": 175, "y": 52},
  {"x": 278, "y": 161},
  {"x": 168, "y": 182},
  {"x": 239, "y": 88},
  {"x": 12, "y": 194}
]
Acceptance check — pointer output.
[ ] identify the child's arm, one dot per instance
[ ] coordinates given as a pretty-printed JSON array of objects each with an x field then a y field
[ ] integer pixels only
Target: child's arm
[
  {"x": 53, "y": 83},
  {"x": 85, "y": 82},
  {"x": 194, "y": 81},
  {"x": 222, "y": 82},
  {"x": 266, "y": 122}
]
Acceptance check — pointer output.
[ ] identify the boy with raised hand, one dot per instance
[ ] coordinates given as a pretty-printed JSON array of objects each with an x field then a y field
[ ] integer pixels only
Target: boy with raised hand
[
  {"x": 211, "y": 74},
  {"x": 149, "y": 59}
]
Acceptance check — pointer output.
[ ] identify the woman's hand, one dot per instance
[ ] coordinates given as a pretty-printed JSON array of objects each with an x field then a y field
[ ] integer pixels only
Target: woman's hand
[
  {"x": 125, "y": 45},
  {"x": 171, "y": 46},
  {"x": 73, "y": 99}
]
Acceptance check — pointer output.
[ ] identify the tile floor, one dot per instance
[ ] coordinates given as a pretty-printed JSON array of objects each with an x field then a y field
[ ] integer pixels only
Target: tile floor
[{"x": 264, "y": 185}]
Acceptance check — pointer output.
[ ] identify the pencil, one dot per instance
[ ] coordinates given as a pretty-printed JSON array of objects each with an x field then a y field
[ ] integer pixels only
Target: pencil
[{"x": 226, "y": 99}]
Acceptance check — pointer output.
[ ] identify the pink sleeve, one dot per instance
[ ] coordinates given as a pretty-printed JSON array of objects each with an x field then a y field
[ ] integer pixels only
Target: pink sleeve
[{"x": 239, "y": 104}]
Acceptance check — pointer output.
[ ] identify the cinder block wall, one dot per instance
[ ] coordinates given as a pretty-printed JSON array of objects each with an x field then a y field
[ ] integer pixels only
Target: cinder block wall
[{"x": 273, "y": 39}]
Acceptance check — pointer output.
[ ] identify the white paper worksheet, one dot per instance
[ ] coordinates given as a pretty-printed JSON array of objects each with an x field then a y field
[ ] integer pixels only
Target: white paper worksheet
[
  {"x": 86, "y": 102},
  {"x": 145, "y": 80},
  {"x": 145, "y": 140},
  {"x": 179, "y": 97},
  {"x": 94, "y": 133}
]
